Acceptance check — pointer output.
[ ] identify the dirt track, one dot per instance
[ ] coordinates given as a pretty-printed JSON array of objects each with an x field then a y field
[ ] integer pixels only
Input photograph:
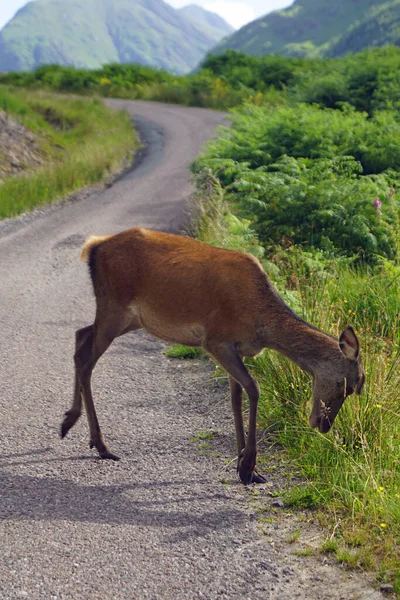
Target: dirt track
[{"x": 159, "y": 524}]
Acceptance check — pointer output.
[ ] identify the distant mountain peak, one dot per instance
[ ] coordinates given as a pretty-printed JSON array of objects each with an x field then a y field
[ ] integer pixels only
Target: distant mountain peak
[
  {"x": 90, "y": 33},
  {"x": 319, "y": 28}
]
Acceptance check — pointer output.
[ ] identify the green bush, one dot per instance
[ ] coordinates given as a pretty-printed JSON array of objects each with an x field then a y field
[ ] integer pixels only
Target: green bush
[
  {"x": 308, "y": 176},
  {"x": 239, "y": 69},
  {"x": 261, "y": 136},
  {"x": 369, "y": 81}
]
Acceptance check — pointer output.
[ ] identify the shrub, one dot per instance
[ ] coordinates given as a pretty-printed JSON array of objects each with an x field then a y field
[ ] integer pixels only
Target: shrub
[{"x": 308, "y": 176}]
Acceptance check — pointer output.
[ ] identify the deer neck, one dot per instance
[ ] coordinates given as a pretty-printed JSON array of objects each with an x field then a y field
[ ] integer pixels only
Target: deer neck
[{"x": 301, "y": 342}]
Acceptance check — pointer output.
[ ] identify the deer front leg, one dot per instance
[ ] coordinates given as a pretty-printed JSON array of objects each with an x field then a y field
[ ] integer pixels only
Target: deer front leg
[
  {"x": 247, "y": 460},
  {"x": 228, "y": 358},
  {"x": 237, "y": 400}
]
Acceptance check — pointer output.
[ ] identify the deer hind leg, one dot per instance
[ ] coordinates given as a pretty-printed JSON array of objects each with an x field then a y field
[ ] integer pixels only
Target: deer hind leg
[
  {"x": 92, "y": 342},
  {"x": 87, "y": 353},
  {"x": 229, "y": 359},
  {"x": 86, "y": 357},
  {"x": 73, "y": 414}
]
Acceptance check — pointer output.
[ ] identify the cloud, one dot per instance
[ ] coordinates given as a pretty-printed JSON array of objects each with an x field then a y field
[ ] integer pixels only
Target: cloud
[{"x": 235, "y": 13}]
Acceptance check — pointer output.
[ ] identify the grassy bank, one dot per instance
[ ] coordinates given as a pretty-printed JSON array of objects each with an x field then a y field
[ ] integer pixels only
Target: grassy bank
[
  {"x": 351, "y": 476},
  {"x": 80, "y": 139}
]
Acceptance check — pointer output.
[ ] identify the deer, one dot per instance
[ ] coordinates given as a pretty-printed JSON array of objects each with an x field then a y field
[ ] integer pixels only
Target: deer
[{"x": 185, "y": 291}]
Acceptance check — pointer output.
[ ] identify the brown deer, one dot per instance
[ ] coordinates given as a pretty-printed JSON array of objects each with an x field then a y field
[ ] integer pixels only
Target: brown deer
[{"x": 188, "y": 292}]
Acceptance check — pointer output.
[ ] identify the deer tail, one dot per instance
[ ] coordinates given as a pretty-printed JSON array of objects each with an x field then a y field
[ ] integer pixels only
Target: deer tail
[
  {"x": 89, "y": 252},
  {"x": 92, "y": 242}
]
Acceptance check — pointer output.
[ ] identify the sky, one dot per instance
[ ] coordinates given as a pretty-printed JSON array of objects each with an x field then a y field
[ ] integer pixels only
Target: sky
[{"x": 235, "y": 12}]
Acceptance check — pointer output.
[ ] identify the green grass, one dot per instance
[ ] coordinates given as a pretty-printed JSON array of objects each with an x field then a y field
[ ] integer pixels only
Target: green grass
[
  {"x": 203, "y": 441},
  {"x": 329, "y": 546},
  {"x": 203, "y": 435},
  {"x": 351, "y": 476},
  {"x": 368, "y": 81},
  {"x": 353, "y": 472},
  {"x": 82, "y": 140},
  {"x": 184, "y": 352}
]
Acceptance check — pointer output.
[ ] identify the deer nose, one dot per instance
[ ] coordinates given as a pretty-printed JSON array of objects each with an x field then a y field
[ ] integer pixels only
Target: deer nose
[{"x": 324, "y": 425}]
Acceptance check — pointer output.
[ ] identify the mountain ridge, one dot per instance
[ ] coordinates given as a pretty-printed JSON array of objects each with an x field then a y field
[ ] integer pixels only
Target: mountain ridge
[
  {"x": 94, "y": 32},
  {"x": 319, "y": 28}
]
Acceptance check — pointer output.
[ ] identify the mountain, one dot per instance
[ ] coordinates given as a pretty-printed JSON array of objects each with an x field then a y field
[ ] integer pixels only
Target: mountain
[
  {"x": 89, "y": 33},
  {"x": 381, "y": 26},
  {"x": 319, "y": 28},
  {"x": 208, "y": 21}
]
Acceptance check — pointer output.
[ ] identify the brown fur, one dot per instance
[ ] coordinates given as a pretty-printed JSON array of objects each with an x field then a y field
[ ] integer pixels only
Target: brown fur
[{"x": 184, "y": 291}]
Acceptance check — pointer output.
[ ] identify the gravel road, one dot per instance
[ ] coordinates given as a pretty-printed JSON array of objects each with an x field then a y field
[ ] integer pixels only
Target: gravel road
[{"x": 159, "y": 524}]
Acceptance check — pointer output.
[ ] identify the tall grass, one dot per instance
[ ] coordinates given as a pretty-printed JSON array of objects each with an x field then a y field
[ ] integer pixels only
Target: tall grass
[
  {"x": 82, "y": 142},
  {"x": 354, "y": 469},
  {"x": 351, "y": 476},
  {"x": 316, "y": 215}
]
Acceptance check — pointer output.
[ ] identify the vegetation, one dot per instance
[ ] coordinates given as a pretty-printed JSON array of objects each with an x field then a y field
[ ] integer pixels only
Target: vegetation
[
  {"x": 351, "y": 475},
  {"x": 319, "y": 28},
  {"x": 311, "y": 189},
  {"x": 369, "y": 81},
  {"x": 81, "y": 139},
  {"x": 183, "y": 352},
  {"x": 154, "y": 33},
  {"x": 318, "y": 178},
  {"x": 381, "y": 26},
  {"x": 96, "y": 32}
]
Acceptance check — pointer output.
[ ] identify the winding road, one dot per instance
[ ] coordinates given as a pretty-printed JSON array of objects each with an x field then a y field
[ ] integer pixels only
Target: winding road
[{"x": 161, "y": 524}]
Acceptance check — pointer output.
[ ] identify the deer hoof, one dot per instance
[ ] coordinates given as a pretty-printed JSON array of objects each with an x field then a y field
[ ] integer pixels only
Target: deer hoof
[
  {"x": 65, "y": 427},
  {"x": 103, "y": 451},
  {"x": 251, "y": 477},
  {"x": 257, "y": 478},
  {"x": 109, "y": 455},
  {"x": 247, "y": 474}
]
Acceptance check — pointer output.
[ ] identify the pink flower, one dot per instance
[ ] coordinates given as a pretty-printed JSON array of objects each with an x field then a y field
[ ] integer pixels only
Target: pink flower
[{"x": 377, "y": 205}]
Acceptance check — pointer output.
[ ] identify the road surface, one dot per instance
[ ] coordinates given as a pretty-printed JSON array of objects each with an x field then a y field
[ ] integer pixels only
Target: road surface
[{"x": 161, "y": 523}]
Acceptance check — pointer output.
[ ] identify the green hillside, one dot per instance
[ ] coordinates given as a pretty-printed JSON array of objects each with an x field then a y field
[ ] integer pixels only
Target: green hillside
[
  {"x": 93, "y": 32},
  {"x": 319, "y": 28},
  {"x": 381, "y": 26}
]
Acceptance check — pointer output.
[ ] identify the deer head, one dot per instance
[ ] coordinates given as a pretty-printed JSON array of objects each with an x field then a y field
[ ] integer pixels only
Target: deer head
[{"x": 336, "y": 380}]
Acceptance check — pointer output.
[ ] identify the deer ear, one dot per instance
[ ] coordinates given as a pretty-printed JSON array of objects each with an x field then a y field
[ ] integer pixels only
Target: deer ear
[{"x": 348, "y": 343}]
